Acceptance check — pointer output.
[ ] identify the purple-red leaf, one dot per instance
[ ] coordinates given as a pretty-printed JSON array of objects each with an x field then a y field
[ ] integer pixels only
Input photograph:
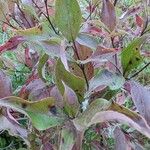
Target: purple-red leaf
[
  {"x": 121, "y": 143},
  {"x": 12, "y": 43},
  {"x": 141, "y": 98},
  {"x": 5, "y": 85},
  {"x": 108, "y": 15}
]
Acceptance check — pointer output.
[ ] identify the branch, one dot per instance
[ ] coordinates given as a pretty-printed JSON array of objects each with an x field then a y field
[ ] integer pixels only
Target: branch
[
  {"x": 139, "y": 71},
  {"x": 23, "y": 15},
  {"x": 81, "y": 65},
  {"x": 47, "y": 17}
]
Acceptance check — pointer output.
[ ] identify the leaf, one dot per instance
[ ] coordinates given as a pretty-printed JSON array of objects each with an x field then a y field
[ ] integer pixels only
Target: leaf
[
  {"x": 87, "y": 40},
  {"x": 102, "y": 110},
  {"x": 67, "y": 139},
  {"x": 4, "y": 10},
  {"x": 130, "y": 12},
  {"x": 30, "y": 10},
  {"x": 36, "y": 90},
  {"x": 75, "y": 83},
  {"x": 37, "y": 30},
  {"x": 139, "y": 20},
  {"x": 14, "y": 130},
  {"x": 108, "y": 15},
  {"x": 84, "y": 52},
  {"x": 52, "y": 46},
  {"x": 88, "y": 69},
  {"x": 130, "y": 56},
  {"x": 68, "y": 18},
  {"x": 36, "y": 33},
  {"x": 82, "y": 121},
  {"x": 141, "y": 99},
  {"x": 102, "y": 54},
  {"x": 39, "y": 111},
  {"x": 71, "y": 104},
  {"x": 121, "y": 143},
  {"x": 41, "y": 66},
  {"x": 12, "y": 43},
  {"x": 105, "y": 77},
  {"x": 5, "y": 85}
]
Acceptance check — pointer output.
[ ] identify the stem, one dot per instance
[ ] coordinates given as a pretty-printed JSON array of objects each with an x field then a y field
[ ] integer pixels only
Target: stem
[
  {"x": 139, "y": 71},
  {"x": 8, "y": 22},
  {"x": 82, "y": 67},
  {"x": 115, "y": 57},
  {"x": 19, "y": 23},
  {"x": 47, "y": 17},
  {"x": 24, "y": 15},
  {"x": 115, "y": 2}
]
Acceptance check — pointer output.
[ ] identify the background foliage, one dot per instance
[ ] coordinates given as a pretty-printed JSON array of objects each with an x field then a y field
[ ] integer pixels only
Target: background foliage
[{"x": 74, "y": 74}]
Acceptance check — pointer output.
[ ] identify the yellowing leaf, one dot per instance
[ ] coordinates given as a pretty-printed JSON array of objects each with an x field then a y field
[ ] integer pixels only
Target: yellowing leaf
[
  {"x": 38, "y": 30},
  {"x": 39, "y": 111}
]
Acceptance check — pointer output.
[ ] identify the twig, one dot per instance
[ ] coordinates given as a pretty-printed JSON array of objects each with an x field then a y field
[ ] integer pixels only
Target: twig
[
  {"x": 139, "y": 71},
  {"x": 47, "y": 17},
  {"x": 81, "y": 65},
  {"x": 115, "y": 2},
  {"x": 9, "y": 24},
  {"x": 17, "y": 21},
  {"x": 23, "y": 15},
  {"x": 115, "y": 56}
]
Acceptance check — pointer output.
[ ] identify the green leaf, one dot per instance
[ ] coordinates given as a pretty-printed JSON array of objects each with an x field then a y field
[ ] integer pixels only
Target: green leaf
[
  {"x": 130, "y": 56},
  {"x": 38, "y": 111},
  {"x": 102, "y": 110},
  {"x": 105, "y": 77},
  {"x": 67, "y": 139},
  {"x": 41, "y": 66},
  {"x": 82, "y": 121},
  {"x": 75, "y": 83},
  {"x": 87, "y": 40},
  {"x": 68, "y": 18},
  {"x": 13, "y": 129}
]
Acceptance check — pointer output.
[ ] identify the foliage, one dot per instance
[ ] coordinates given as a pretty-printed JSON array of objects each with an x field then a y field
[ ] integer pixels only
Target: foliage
[{"x": 74, "y": 74}]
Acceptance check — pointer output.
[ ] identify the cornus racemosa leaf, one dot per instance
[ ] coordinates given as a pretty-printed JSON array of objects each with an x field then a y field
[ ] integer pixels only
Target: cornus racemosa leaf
[
  {"x": 13, "y": 129},
  {"x": 102, "y": 110},
  {"x": 102, "y": 54},
  {"x": 67, "y": 139},
  {"x": 71, "y": 104},
  {"x": 141, "y": 96},
  {"x": 74, "y": 82},
  {"x": 41, "y": 66},
  {"x": 87, "y": 40},
  {"x": 68, "y": 18},
  {"x": 108, "y": 15},
  {"x": 121, "y": 142},
  {"x": 104, "y": 77},
  {"x": 130, "y": 56},
  {"x": 12, "y": 43},
  {"x": 39, "y": 112},
  {"x": 5, "y": 85}
]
